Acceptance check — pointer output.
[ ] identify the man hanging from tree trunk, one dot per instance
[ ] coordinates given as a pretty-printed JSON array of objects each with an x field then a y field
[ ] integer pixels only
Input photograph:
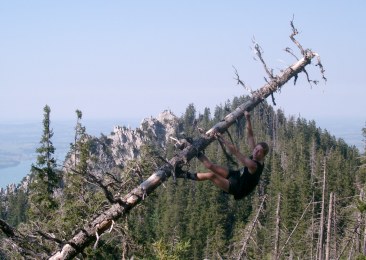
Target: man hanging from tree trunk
[{"x": 241, "y": 182}]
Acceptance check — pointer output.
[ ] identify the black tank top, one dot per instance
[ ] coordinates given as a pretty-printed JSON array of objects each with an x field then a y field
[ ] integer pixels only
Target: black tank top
[{"x": 248, "y": 181}]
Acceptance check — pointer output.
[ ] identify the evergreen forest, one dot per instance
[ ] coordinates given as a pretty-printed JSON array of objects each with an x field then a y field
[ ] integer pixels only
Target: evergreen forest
[{"x": 309, "y": 204}]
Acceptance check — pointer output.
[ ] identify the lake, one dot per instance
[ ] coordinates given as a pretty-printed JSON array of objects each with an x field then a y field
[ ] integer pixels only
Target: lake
[{"x": 18, "y": 141}]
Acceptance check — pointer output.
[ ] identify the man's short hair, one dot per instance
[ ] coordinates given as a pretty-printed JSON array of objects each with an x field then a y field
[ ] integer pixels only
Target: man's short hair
[{"x": 265, "y": 147}]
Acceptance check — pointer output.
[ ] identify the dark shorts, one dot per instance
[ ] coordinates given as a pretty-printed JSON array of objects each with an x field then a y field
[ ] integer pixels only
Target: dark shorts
[{"x": 234, "y": 183}]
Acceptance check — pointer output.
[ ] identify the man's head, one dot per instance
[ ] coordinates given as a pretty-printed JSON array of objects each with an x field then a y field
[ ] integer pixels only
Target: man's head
[
  {"x": 265, "y": 147},
  {"x": 260, "y": 151}
]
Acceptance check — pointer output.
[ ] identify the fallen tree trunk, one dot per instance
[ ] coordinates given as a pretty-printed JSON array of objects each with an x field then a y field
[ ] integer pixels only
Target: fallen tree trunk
[{"x": 123, "y": 205}]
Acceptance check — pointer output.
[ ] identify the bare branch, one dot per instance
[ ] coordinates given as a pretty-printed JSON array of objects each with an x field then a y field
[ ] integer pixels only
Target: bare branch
[
  {"x": 273, "y": 99},
  {"x": 107, "y": 193},
  {"x": 115, "y": 180},
  {"x": 96, "y": 181},
  {"x": 292, "y": 232},
  {"x": 292, "y": 36},
  {"x": 259, "y": 52},
  {"x": 251, "y": 228},
  {"x": 247, "y": 88},
  {"x": 303, "y": 52},
  {"x": 50, "y": 237},
  {"x": 309, "y": 80},
  {"x": 322, "y": 70},
  {"x": 289, "y": 50}
]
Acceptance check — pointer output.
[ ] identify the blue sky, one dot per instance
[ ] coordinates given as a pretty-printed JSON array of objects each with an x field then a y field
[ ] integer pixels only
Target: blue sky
[{"x": 133, "y": 59}]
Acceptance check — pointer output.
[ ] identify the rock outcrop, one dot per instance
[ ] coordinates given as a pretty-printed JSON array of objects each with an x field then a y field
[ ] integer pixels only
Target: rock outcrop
[
  {"x": 122, "y": 145},
  {"x": 126, "y": 143}
]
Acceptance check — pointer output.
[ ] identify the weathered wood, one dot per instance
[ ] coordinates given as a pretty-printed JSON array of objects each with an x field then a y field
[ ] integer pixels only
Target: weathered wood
[
  {"x": 329, "y": 225},
  {"x": 277, "y": 233},
  {"x": 322, "y": 216}
]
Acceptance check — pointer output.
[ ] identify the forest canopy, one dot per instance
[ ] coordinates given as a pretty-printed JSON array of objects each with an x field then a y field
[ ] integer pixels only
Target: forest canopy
[{"x": 306, "y": 167}]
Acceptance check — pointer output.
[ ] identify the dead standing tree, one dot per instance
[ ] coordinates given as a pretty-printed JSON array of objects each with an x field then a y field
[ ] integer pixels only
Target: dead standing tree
[{"x": 122, "y": 205}]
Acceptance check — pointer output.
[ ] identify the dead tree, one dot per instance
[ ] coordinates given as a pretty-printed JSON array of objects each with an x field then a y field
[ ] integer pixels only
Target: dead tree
[
  {"x": 242, "y": 252},
  {"x": 335, "y": 224},
  {"x": 312, "y": 227},
  {"x": 122, "y": 205},
  {"x": 364, "y": 226},
  {"x": 321, "y": 231},
  {"x": 293, "y": 231},
  {"x": 329, "y": 225},
  {"x": 278, "y": 222}
]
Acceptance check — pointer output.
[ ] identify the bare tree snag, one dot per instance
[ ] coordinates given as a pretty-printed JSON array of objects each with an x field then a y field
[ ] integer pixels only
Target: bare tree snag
[
  {"x": 364, "y": 226},
  {"x": 329, "y": 225},
  {"x": 335, "y": 250},
  {"x": 251, "y": 228},
  {"x": 278, "y": 222},
  {"x": 124, "y": 204},
  {"x": 312, "y": 227},
  {"x": 293, "y": 231},
  {"x": 321, "y": 224}
]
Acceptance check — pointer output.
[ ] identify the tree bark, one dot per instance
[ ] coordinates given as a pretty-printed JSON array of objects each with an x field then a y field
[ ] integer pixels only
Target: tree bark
[
  {"x": 312, "y": 228},
  {"x": 321, "y": 231},
  {"x": 124, "y": 204},
  {"x": 278, "y": 222},
  {"x": 335, "y": 225},
  {"x": 329, "y": 225}
]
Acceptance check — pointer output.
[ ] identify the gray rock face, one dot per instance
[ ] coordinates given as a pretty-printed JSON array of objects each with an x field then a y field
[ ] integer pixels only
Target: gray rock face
[
  {"x": 126, "y": 143},
  {"x": 122, "y": 145}
]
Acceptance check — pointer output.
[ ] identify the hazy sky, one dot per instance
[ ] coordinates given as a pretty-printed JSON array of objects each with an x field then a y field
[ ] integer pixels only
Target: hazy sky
[{"x": 133, "y": 59}]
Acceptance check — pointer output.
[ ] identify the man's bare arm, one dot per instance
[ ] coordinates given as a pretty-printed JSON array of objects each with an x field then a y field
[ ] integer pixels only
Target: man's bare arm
[
  {"x": 250, "y": 135},
  {"x": 252, "y": 166}
]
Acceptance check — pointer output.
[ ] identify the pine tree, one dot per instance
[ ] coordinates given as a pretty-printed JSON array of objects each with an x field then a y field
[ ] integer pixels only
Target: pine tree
[
  {"x": 194, "y": 220},
  {"x": 45, "y": 175},
  {"x": 17, "y": 209},
  {"x": 79, "y": 198},
  {"x": 189, "y": 121}
]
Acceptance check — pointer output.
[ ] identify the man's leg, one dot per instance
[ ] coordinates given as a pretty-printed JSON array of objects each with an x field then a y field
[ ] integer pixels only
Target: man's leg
[
  {"x": 217, "y": 169},
  {"x": 218, "y": 176},
  {"x": 216, "y": 179}
]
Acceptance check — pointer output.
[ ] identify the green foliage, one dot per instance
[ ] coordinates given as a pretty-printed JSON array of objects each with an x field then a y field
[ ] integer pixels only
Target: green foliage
[
  {"x": 212, "y": 221},
  {"x": 18, "y": 204},
  {"x": 80, "y": 198},
  {"x": 189, "y": 120},
  {"x": 45, "y": 175},
  {"x": 360, "y": 257},
  {"x": 361, "y": 205},
  {"x": 195, "y": 220},
  {"x": 171, "y": 250}
]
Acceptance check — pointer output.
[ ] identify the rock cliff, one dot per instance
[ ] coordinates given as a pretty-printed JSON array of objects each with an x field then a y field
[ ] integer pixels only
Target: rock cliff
[{"x": 122, "y": 145}]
